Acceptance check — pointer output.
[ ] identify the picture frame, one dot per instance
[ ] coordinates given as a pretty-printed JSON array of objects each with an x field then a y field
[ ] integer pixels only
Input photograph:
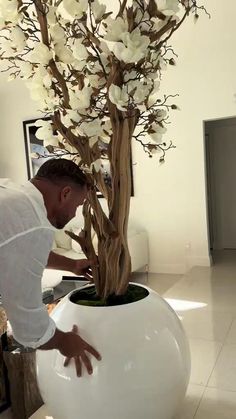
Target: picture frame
[{"x": 33, "y": 146}]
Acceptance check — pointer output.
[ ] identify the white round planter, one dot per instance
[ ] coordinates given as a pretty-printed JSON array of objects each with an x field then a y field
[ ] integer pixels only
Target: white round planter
[{"x": 145, "y": 364}]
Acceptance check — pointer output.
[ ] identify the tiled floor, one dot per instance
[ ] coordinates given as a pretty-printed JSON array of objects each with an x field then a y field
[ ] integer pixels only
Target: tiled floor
[{"x": 205, "y": 300}]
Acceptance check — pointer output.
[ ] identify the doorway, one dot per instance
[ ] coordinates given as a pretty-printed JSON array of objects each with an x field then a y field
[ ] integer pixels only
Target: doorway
[{"x": 220, "y": 153}]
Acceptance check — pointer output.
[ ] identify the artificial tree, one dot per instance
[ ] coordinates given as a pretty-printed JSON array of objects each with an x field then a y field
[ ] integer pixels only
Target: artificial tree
[{"x": 97, "y": 74}]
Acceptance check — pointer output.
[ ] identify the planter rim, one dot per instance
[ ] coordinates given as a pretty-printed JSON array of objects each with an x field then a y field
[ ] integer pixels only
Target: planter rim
[{"x": 118, "y": 306}]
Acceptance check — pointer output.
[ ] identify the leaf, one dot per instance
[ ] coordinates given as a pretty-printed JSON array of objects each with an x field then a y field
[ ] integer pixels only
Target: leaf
[
  {"x": 172, "y": 61},
  {"x": 132, "y": 92},
  {"x": 151, "y": 118},
  {"x": 105, "y": 16},
  {"x": 50, "y": 148},
  {"x": 91, "y": 58},
  {"x": 62, "y": 146},
  {"x": 151, "y": 131},
  {"x": 153, "y": 10}
]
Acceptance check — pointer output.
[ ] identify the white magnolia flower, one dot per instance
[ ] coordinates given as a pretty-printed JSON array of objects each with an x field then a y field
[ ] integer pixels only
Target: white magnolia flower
[
  {"x": 98, "y": 10},
  {"x": 6, "y": 47},
  {"x": 51, "y": 15},
  {"x": 44, "y": 130},
  {"x": 168, "y": 7},
  {"x": 53, "y": 100},
  {"x": 162, "y": 64},
  {"x": 51, "y": 141},
  {"x": 41, "y": 54},
  {"x": 81, "y": 98},
  {"x": 47, "y": 80},
  {"x": 9, "y": 11},
  {"x": 79, "y": 50},
  {"x": 159, "y": 132},
  {"x": 130, "y": 75},
  {"x": 73, "y": 115},
  {"x": 95, "y": 80},
  {"x": 79, "y": 65},
  {"x": 72, "y": 9},
  {"x": 141, "y": 93},
  {"x": 154, "y": 93},
  {"x": 39, "y": 92},
  {"x": 95, "y": 67},
  {"x": 18, "y": 38},
  {"x": 119, "y": 97},
  {"x": 67, "y": 121},
  {"x": 139, "y": 90},
  {"x": 133, "y": 48},
  {"x": 26, "y": 69},
  {"x": 92, "y": 128},
  {"x": 152, "y": 75},
  {"x": 63, "y": 53},
  {"x": 96, "y": 165},
  {"x": 46, "y": 97},
  {"x": 104, "y": 47},
  {"x": 161, "y": 114},
  {"x": 57, "y": 33},
  {"x": 115, "y": 29}
]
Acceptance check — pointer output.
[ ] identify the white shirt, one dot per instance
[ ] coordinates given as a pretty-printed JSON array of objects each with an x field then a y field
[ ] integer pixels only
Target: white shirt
[{"x": 26, "y": 238}]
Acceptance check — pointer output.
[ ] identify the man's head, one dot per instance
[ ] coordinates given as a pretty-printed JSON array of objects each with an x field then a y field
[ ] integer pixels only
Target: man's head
[{"x": 64, "y": 187}]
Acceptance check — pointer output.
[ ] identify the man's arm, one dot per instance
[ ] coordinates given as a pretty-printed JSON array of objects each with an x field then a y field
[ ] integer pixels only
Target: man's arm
[
  {"x": 60, "y": 262},
  {"x": 77, "y": 266}
]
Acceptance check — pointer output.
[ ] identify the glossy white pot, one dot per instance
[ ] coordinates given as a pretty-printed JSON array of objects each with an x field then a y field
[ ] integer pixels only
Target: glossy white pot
[{"x": 145, "y": 368}]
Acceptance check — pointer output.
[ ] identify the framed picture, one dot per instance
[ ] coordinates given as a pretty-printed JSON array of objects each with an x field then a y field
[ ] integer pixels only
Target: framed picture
[
  {"x": 34, "y": 146},
  {"x": 34, "y": 149}
]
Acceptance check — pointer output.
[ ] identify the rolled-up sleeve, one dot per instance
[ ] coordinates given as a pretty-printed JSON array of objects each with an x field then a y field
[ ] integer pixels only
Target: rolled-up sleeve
[{"x": 22, "y": 262}]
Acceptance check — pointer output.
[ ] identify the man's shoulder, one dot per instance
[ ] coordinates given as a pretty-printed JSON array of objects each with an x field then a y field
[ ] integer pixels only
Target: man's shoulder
[{"x": 20, "y": 211}]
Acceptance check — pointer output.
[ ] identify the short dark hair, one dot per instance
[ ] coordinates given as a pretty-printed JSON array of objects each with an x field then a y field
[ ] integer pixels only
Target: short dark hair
[{"x": 62, "y": 170}]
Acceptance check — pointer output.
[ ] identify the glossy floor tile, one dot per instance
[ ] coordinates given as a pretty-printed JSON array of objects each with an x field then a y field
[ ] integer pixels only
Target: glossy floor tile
[
  {"x": 191, "y": 402},
  {"x": 224, "y": 372},
  {"x": 204, "y": 355},
  {"x": 217, "y": 404}
]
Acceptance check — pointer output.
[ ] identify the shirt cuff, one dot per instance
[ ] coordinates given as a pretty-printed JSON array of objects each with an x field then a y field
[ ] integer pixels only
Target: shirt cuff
[{"x": 44, "y": 339}]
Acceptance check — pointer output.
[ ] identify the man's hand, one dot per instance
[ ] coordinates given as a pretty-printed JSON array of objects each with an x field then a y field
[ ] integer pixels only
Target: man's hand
[
  {"x": 76, "y": 348},
  {"x": 83, "y": 267},
  {"x": 72, "y": 346},
  {"x": 78, "y": 266}
]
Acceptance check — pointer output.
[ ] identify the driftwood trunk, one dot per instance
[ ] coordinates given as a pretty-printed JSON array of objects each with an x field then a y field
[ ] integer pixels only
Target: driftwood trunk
[{"x": 113, "y": 253}]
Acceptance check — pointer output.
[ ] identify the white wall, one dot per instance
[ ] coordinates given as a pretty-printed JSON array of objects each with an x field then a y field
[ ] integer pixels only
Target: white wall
[
  {"x": 169, "y": 200},
  {"x": 15, "y": 107}
]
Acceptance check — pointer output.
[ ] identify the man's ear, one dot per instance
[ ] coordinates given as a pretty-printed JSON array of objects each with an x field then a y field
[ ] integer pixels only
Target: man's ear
[{"x": 65, "y": 193}]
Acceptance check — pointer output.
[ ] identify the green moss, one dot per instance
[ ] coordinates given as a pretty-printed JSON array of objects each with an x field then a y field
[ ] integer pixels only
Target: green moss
[{"x": 88, "y": 297}]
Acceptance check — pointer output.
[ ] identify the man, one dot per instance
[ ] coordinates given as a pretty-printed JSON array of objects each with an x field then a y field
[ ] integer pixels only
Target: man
[{"x": 29, "y": 215}]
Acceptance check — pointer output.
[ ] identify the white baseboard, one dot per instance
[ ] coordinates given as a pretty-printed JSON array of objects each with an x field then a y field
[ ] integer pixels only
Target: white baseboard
[
  {"x": 168, "y": 269},
  {"x": 198, "y": 261},
  {"x": 181, "y": 268}
]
